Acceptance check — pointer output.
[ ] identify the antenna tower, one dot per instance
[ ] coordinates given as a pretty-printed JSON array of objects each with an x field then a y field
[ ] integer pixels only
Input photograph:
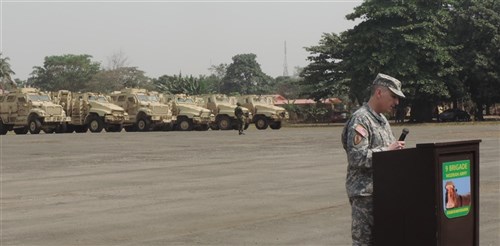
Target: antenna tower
[{"x": 285, "y": 64}]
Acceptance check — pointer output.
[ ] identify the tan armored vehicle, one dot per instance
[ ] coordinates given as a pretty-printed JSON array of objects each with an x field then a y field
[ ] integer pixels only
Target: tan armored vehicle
[
  {"x": 189, "y": 115},
  {"x": 223, "y": 109},
  {"x": 90, "y": 111},
  {"x": 29, "y": 109},
  {"x": 264, "y": 112},
  {"x": 144, "y": 109}
]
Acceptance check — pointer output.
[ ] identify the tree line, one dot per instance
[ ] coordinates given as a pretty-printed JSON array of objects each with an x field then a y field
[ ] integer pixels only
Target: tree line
[
  {"x": 442, "y": 51},
  {"x": 81, "y": 73}
]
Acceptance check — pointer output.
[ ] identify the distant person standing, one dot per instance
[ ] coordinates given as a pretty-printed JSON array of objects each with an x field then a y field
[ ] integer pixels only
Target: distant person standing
[
  {"x": 238, "y": 111},
  {"x": 366, "y": 132}
]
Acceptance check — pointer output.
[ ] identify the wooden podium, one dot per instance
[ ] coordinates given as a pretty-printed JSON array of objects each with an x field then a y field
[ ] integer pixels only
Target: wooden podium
[{"x": 428, "y": 195}]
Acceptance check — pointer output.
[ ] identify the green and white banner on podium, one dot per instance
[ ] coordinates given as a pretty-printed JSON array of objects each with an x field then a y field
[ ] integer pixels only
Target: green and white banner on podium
[{"x": 456, "y": 188}]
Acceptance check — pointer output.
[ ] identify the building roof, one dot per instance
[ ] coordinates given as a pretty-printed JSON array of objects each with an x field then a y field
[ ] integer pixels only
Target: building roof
[{"x": 281, "y": 100}]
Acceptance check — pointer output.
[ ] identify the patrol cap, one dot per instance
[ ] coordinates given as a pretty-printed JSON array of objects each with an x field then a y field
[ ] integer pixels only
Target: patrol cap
[{"x": 393, "y": 84}]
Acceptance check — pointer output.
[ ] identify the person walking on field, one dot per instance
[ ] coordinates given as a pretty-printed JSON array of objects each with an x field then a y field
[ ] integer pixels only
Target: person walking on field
[
  {"x": 366, "y": 132},
  {"x": 238, "y": 111}
]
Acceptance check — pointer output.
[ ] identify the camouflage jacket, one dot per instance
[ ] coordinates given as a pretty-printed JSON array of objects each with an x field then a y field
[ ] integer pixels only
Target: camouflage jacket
[
  {"x": 365, "y": 132},
  {"x": 238, "y": 111}
]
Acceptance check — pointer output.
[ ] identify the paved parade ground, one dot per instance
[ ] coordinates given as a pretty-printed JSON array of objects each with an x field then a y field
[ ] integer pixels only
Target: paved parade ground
[{"x": 271, "y": 187}]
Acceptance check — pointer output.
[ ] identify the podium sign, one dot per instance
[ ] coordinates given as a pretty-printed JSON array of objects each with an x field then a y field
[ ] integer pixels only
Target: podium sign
[{"x": 428, "y": 195}]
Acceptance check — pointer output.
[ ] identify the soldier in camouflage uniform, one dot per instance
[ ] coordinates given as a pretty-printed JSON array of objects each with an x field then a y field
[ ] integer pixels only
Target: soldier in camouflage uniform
[
  {"x": 368, "y": 131},
  {"x": 238, "y": 111}
]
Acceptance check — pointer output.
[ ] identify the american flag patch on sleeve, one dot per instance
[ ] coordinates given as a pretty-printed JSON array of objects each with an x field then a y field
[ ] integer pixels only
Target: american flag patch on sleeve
[{"x": 361, "y": 130}]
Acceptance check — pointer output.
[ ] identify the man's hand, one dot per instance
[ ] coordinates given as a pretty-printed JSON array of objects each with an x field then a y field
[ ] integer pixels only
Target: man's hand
[{"x": 397, "y": 145}]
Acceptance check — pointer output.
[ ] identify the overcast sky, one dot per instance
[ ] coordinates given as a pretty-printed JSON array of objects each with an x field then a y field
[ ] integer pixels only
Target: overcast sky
[{"x": 168, "y": 37}]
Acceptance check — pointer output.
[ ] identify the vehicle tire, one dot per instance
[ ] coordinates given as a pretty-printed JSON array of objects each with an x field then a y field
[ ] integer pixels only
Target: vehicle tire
[
  {"x": 184, "y": 124},
  {"x": 3, "y": 128},
  {"x": 81, "y": 129},
  {"x": 49, "y": 130},
  {"x": 143, "y": 124},
  {"x": 275, "y": 125},
  {"x": 21, "y": 131},
  {"x": 224, "y": 123},
  {"x": 34, "y": 125},
  {"x": 261, "y": 123},
  {"x": 95, "y": 124}
]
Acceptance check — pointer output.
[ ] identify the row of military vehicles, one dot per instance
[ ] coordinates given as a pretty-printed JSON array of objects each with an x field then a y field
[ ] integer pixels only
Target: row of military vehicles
[{"x": 31, "y": 110}]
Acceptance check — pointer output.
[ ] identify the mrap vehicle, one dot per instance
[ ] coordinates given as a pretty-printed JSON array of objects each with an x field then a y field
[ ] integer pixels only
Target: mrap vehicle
[
  {"x": 144, "y": 109},
  {"x": 90, "y": 111},
  {"x": 30, "y": 110}
]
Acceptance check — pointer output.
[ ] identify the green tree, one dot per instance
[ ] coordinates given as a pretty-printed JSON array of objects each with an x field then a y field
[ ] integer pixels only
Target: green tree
[
  {"x": 5, "y": 73},
  {"x": 209, "y": 84},
  {"x": 190, "y": 85},
  {"x": 407, "y": 40},
  {"x": 66, "y": 72},
  {"x": 245, "y": 76},
  {"x": 289, "y": 87},
  {"x": 108, "y": 80},
  {"x": 324, "y": 76},
  {"x": 440, "y": 50},
  {"x": 217, "y": 73},
  {"x": 476, "y": 29}
]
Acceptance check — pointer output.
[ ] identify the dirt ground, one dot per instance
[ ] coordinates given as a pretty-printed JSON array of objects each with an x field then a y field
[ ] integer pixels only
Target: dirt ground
[{"x": 283, "y": 187}]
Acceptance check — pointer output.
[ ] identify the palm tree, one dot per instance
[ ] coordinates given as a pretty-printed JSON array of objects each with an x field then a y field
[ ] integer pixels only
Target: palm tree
[{"x": 6, "y": 72}]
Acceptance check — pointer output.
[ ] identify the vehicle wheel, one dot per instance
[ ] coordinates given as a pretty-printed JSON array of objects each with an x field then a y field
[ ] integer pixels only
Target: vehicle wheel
[
  {"x": 143, "y": 124},
  {"x": 49, "y": 130},
  {"x": 81, "y": 129},
  {"x": 95, "y": 124},
  {"x": 34, "y": 125},
  {"x": 261, "y": 123},
  {"x": 3, "y": 128},
  {"x": 275, "y": 125},
  {"x": 184, "y": 124},
  {"x": 130, "y": 128},
  {"x": 21, "y": 131},
  {"x": 224, "y": 123}
]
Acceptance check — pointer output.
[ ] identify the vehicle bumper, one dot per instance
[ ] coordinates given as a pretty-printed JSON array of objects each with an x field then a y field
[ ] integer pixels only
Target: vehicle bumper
[
  {"x": 56, "y": 119},
  {"x": 159, "y": 119},
  {"x": 115, "y": 119},
  {"x": 203, "y": 120}
]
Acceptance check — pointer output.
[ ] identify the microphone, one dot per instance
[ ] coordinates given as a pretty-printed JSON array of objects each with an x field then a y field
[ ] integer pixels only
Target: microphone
[{"x": 403, "y": 134}]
